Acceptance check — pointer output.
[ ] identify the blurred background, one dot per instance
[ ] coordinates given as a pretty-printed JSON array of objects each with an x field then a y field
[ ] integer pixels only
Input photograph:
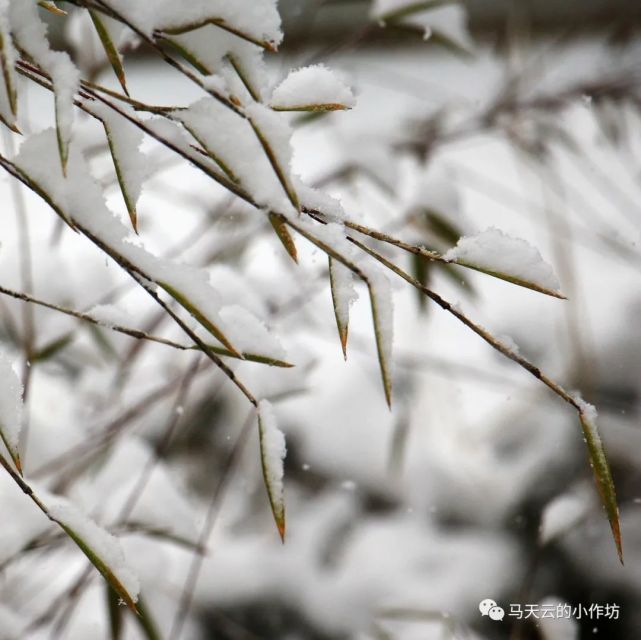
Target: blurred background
[{"x": 519, "y": 115}]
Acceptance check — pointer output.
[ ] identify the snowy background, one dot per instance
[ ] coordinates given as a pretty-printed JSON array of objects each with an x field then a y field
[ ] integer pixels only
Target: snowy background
[{"x": 475, "y": 486}]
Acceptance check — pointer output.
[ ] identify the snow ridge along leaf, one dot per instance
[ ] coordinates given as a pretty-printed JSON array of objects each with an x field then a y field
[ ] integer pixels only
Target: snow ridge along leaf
[
  {"x": 314, "y": 88},
  {"x": 341, "y": 282},
  {"x": 272, "y": 454},
  {"x": 497, "y": 254},
  {"x": 101, "y": 548}
]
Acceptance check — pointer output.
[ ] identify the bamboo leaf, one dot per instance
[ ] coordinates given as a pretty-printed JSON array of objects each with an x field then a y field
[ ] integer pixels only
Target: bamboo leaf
[
  {"x": 52, "y": 7},
  {"x": 284, "y": 236},
  {"x": 272, "y": 455},
  {"x": 113, "y": 55},
  {"x": 315, "y": 108},
  {"x": 421, "y": 270},
  {"x": 218, "y": 22},
  {"x": 53, "y": 348},
  {"x": 343, "y": 294},
  {"x": 7, "y": 57},
  {"x": 527, "y": 284},
  {"x": 499, "y": 255},
  {"x": 130, "y": 202},
  {"x": 257, "y": 122},
  {"x": 200, "y": 317},
  {"x": 380, "y": 311},
  {"x": 95, "y": 543},
  {"x": 602, "y": 473}
]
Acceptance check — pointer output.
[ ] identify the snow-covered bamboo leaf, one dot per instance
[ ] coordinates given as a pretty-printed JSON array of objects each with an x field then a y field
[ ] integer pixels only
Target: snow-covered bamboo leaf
[
  {"x": 314, "y": 88},
  {"x": 270, "y": 361},
  {"x": 343, "y": 295},
  {"x": 263, "y": 136},
  {"x": 382, "y": 315},
  {"x": 496, "y": 254},
  {"x": 31, "y": 34},
  {"x": 10, "y": 409},
  {"x": 601, "y": 469},
  {"x": 257, "y": 21},
  {"x": 8, "y": 93},
  {"x": 284, "y": 236},
  {"x": 272, "y": 455},
  {"x": 197, "y": 313},
  {"x": 111, "y": 51},
  {"x": 130, "y": 164},
  {"x": 52, "y": 7},
  {"x": 101, "y": 548},
  {"x": 274, "y": 137}
]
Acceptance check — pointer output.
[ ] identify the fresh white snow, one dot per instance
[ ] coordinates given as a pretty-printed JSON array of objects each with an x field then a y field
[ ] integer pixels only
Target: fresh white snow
[
  {"x": 273, "y": 451},
  {"x": 495, "y": 251},
  {"x": 314, "y": 86},
  {"x": 105, "y": 546}
]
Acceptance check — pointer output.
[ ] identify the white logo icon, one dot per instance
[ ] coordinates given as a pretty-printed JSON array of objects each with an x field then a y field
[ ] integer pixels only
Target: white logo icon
[{"x": 489, "y": 608}]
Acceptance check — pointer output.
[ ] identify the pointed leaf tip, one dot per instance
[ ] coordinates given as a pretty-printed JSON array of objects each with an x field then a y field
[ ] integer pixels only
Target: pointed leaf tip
[
  {"x": 280, "y": 227},
  {"x": 382, "y": 315},
  {"x": 602, "y": 473},
  {"x": 272, "y": 454},
  {"x": 111, "y": 50},
  {"x": 341, "y": 282}
]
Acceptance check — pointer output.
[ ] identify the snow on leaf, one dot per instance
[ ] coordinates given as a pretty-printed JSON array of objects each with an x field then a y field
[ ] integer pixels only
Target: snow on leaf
[
  {"x": 512, "y": 259},
  {"x": 80, "y": 200},
  {"x": 111, "y": 50},
  {"x": 239, "y": 64},
  {"x": 31, "y": 34},
  {"x": 10, "y": 409},
  {"x": 343, "y": 296},
  {"x": 314, "y": 88},
  {"x": 257, "y": 21},
  {"x": 274, "y": 136},
  {"x": 601, "y": 469},
  {"x": 272, "y": 454},
  {"x": 234, "y": 145},
  {"x": 101, "y": 548},
  {"x": 8, "y": 94},
  {"x": 131, "y": 165}
]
